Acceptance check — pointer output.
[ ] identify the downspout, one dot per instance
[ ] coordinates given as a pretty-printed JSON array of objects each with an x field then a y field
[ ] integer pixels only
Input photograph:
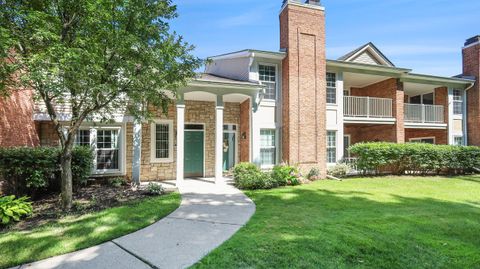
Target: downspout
[{"x": 466, "y": 114}]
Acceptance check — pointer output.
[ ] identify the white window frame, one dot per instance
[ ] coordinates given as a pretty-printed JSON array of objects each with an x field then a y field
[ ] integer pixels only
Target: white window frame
[
  {"x": 419, "y": 139},
  {"x": 461, "y": 101},
  {"x": 332, "y": 88},
  {"x": 276, "y": 79},
  {"x": 121, "y": 148},
  {"x": 275, "y": 147},
  {"x": 335, "y": 147},
  {"x": 459, "y": 136},
  {"x": 349, "y": 138},
  {"x": 153, "y": 138}
]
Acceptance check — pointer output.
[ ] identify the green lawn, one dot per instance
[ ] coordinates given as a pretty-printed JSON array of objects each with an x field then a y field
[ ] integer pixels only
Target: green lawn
[
  {"x": 74, "y": 233},
  {"x": 360, "y": 223}
]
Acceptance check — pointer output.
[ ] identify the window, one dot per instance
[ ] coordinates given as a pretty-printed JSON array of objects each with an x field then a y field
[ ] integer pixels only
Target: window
[
  {"x": 331, "y": 147},
  {"x": 162, "y": 141},
  {"x": 268, "y": 78},
  {"x": 83, "y": 138},
  {"x": 426, "y": 99},
  {"x": 457, "y": 102},
  {"x": 267, "y": 147},
  {"x": 346, "y": 146},
  {"x": 107, "y": 150},
  {"x": 458, "y": 140},
  {"x": 426, "y": 140},
  {"x": 331, "y": 88}
]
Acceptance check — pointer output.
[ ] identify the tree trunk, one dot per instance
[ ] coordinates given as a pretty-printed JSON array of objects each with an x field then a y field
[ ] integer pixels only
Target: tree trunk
[{"x": 66, "y": 176}]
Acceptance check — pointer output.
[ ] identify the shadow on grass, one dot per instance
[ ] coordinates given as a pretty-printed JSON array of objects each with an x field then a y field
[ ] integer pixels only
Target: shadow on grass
[
  {"x": 74, "y": 233},
  {"x": 306, "y": 228}
]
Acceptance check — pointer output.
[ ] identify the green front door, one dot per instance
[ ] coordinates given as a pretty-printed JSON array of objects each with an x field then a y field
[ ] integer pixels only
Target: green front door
[{"x": 193, "y": 162}]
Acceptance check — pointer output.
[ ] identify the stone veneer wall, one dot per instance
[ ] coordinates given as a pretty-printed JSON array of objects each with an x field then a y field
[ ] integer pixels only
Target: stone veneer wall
[
  {"x": 245, "y": 129},
  {"x": 195, "y": 112}
]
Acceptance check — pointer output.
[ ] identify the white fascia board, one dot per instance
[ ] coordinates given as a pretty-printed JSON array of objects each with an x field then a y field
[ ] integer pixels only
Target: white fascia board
[
  {"x": 414, "y": 125},
  {"x": 364, "y": 120}
]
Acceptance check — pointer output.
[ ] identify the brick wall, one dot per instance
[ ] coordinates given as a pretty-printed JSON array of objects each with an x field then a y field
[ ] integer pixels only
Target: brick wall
[
  {"x": 370, "y": 133},
  {"x": 471, "y": 67},
  {"x": 245, "y": 130},
  {"x": 441, "y": 136},
  {"x": 48, "y": 135},
  {"x": 195, "y": 112},
  {"x": 17, "y": 127},
  {"x": 441, "y": 98},
  {"x": 392, "y": 89},
  {"x": 302, "y": 34}
]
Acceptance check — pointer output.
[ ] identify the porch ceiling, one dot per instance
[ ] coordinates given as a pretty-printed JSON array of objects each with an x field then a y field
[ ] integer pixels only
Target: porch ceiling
[
  {"x": 358, "y": 80},
  {"x": 413, "y": 89},
  {"x": 209, "y": 97}
]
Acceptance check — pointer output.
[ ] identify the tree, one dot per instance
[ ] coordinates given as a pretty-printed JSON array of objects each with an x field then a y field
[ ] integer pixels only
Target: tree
[{"x": 95, "y": 57}]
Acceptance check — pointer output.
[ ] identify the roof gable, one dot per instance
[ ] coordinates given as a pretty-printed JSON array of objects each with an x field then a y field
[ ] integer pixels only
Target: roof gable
[{"x": 367, "y": 54}]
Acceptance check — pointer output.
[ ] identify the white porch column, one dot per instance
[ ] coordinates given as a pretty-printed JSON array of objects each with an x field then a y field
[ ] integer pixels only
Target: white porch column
[
  {"x": 137, "y": 151},
  {"x": 180, "y": 141},
  {"x": 219, "y": 140}
]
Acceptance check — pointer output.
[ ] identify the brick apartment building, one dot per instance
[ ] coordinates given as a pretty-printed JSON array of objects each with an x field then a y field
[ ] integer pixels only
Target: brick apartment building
[{"x": 267, "y": 107}]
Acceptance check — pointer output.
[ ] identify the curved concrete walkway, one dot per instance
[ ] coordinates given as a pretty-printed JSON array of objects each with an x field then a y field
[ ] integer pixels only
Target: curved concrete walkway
[{"x": 208, "y": 215}]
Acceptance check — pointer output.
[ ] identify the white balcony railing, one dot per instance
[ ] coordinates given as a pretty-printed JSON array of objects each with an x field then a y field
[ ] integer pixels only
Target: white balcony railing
[
  {"x": 424, "y": 113},
  {"x": 367, "y": 107}
]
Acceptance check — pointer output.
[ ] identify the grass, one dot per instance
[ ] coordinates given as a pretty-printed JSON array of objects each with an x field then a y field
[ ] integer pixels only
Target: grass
[
  {"x": 74, "y": 233},
  {"x": 360, "y": 223}
]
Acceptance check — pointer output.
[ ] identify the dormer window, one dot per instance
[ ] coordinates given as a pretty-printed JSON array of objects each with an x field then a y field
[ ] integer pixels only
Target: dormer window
[{"x": 268, "y": 77}]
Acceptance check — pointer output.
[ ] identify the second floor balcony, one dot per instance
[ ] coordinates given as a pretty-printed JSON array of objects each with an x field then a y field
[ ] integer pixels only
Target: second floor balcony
[
  {"x": 368, "y": 107},
  {"x": 430, "y": 114}
]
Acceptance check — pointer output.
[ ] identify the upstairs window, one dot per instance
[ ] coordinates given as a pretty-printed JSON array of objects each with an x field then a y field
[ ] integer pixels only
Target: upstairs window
[
  {"x": 268, "y": 77},
  {"x": 331, "y": 88},
  {"x": 457, "y": 102}
]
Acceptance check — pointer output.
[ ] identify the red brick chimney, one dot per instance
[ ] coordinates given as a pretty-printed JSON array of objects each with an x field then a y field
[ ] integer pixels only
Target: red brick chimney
[
  {"x": 302, "y": 37},
  {"x": 471, "y": 67}
]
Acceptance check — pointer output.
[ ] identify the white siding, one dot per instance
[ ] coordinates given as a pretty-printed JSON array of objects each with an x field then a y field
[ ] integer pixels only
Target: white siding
[
  {"x": 365, "y": 58},
  {"x": 237, "y": 68}
]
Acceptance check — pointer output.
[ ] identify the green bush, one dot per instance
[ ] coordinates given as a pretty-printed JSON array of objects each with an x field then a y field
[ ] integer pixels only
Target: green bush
[
  {"x": 117, "y": 182},
  {"x": 27, "y": 171},
  {"x": 339, "y": 170},
  {"x": 313, "y": 174},
  {"x": 155, "y": 189},
  {"x": 12, "y": 209},
  {"x": 247, "y": 176},
  {"x": 415, "y": 158},
  {"x": 286, "y": 175}
]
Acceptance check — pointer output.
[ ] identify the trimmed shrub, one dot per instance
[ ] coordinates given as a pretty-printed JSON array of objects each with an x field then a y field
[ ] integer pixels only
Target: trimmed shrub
[
  {"x": 12, "y": 209},
  {"x": 313, "y": 174},
  {"x": 286, "y": 175},
  {"x": 339, "y": 170},
  {"x": 26, "y": 171},
  {"x": 247, "y": 176},
  {"x": 415, "y": 158},
  {"x": 155, "y": 189},
  {"x": 117, "y": 182}
]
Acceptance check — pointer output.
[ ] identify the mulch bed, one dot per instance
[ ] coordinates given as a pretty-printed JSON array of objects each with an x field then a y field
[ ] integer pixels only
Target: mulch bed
[{"x": 85, "y": 200}]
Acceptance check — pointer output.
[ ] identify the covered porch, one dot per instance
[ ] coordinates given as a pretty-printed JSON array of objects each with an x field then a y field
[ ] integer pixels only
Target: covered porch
[{"x": 206, "y": 132}]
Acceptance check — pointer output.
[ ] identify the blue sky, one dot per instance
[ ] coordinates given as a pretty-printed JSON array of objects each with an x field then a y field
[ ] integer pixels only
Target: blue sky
[{"x": 425, "y": 35}]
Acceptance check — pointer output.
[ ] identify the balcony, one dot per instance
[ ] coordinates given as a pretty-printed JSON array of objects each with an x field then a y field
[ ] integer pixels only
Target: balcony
[
  {"x": 428, "y": 114},
  {"x": 358, "y": 109}
]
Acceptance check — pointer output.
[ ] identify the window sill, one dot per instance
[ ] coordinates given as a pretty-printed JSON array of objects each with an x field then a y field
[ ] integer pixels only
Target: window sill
[{"x": 158, "y": 161}]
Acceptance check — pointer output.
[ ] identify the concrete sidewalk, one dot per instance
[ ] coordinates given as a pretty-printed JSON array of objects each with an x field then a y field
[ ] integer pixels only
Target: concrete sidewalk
[{"x": 208, "y": 215}]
